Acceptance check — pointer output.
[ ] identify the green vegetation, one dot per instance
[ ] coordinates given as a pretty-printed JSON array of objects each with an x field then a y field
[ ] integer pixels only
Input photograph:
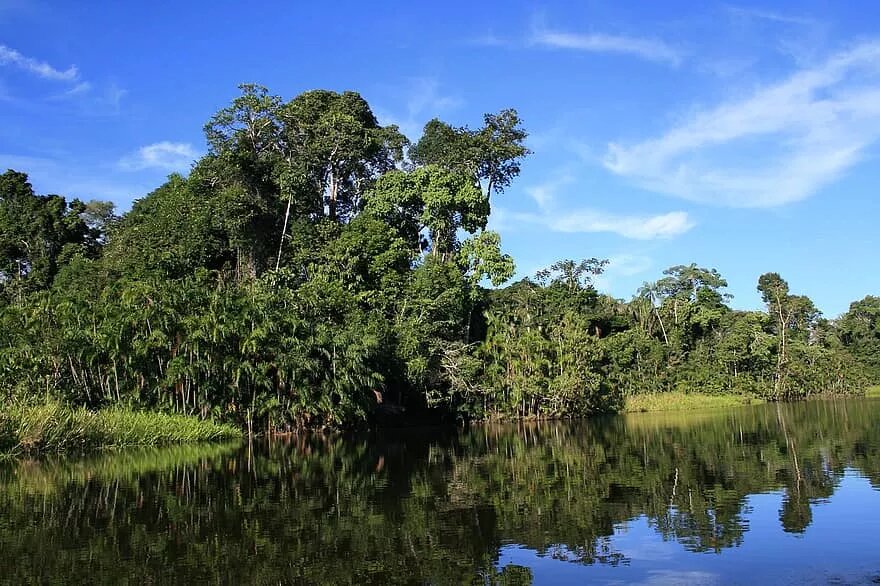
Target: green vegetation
[
  {"x": 676, "y": 401},
  {"x": 315, "y": 268},
  {"x": 873, "y": 391},
  {"x": 54, "y": 428}
]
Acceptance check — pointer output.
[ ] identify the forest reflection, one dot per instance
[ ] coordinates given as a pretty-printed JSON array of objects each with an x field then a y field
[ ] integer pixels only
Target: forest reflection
[{"x": 427, "y": 505}]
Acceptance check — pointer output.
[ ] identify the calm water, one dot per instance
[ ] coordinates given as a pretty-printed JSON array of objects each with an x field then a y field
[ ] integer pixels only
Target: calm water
[{"x": 758, "y": 495}]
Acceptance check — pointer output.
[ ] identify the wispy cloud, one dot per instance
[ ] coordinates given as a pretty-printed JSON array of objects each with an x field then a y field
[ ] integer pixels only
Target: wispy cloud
[
  {"x": 168, "y": 156},
  {"x": 644, "y": 48},
  {"x": 79, "y": 89},
  {"x": 542, "y": 35},
  {"x": 761, "y": 14},
  {"x": 567, "y": 219},
  {"x": 422, "y": 100},
  {"x": 91, "y": 98},
  {"x": 780, "y": 144},
  {"x": 110, "y": 99},
  {"x": 628, "y": 264},
  {"x": 621, "y": 267},
  {"x": 9, "y": 56},
  {"x": 637, "y": 227},
  {"x": 544, "y": 193}
]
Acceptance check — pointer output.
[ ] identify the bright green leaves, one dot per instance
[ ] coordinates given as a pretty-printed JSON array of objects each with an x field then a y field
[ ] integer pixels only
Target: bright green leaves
[
  {"x": 481, "y": 258},
  {"x": 248, "y": 127},
  {"x": 690, "y": 282},
  {"x": 430, "y": 198}
]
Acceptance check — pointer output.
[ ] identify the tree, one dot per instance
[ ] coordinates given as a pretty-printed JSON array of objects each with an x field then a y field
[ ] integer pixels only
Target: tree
[
  {"x": 41, "y": 233},
  {"x": 648, "y": 295},
  {"x": 795, "y": 315},
  {"x": 432, "y": 199},
  {"x": 859, "y": 332},
  {"x": 335, "y": 148},
  {"x": 176, "y": 229},
  {"x": 490, "y": 155},
  {"x": 480, "y": 257}
]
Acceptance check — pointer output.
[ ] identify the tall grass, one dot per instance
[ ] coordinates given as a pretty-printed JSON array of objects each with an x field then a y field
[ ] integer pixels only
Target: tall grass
[
  {"x": 53, "y": 428},
  {"x": 676, "y": 401},
  {"x": 873, "y": 391}
]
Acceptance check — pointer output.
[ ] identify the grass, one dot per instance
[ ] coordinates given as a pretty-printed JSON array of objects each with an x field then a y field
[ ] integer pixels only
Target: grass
[
  {"x": 676, "y": 401},
  {"x": 53, "y": 428},
  {"x": 873, "y": 391}
]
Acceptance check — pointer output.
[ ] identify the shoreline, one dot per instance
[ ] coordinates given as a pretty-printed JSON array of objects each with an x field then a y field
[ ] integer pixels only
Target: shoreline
[{"x": 55, "y": 430}]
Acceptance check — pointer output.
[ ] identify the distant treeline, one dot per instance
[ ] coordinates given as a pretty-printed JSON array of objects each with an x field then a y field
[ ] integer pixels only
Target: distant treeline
[{"x": 315, "y": 268}]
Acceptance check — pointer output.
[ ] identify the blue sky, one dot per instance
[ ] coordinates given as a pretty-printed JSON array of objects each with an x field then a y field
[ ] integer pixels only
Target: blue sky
[{"x": 742, "y": 137}]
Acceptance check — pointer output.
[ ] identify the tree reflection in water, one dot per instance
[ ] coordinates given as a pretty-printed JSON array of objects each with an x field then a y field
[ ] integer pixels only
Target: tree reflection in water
[{"x": 426, "y": 506}]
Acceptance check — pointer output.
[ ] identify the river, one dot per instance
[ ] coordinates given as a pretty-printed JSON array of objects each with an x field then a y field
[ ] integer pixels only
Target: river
[{"x": 763, "y": 494}]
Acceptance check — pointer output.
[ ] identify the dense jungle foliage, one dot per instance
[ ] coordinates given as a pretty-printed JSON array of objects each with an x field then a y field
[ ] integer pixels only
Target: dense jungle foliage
[{"x": 315, "y": 268}]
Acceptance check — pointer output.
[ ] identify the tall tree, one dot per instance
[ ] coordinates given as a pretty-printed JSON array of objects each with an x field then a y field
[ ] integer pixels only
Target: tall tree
[
  {"x": 490, "y": 155},
  {"x": 859, "y": 331},
  {"x": 432, "y": 199},
  {"x": 794, "y": 315},
  {"x": 335, "y": 148},
  {"x": 39, "y": 233}
]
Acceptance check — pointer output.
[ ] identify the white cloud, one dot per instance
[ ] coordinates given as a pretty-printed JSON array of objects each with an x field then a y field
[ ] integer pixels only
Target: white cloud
[
  {"x": 9, "y": 56},
  {"x": 567, "y": 219},
  {"x": 779, "y": 145},
  {"x": 111, "y": 99},
  {"x": 637, "y": 227},
  {"x": 79, "y": 89},
  {"x": 170, "y": 156},
  {"x": 490, "y": 39},
  {"x": 649, "y": 49},
  {"x": 628, "y": 264}
]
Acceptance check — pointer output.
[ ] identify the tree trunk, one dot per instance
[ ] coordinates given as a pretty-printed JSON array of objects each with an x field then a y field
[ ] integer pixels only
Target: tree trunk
[
  {"x": 331, "y": 203},
  {"x": 662, "y": 327},
  {"x": 283, "y": 230}
]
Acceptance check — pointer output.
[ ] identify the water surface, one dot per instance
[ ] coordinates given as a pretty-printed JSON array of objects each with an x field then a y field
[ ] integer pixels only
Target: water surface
[{"x": 754, "y": 495}]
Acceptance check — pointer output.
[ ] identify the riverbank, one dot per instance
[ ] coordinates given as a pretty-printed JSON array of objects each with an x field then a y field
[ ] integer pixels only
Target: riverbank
[
  {"x": 53, "y": 428},
  {"x": 675, "y": 401}
]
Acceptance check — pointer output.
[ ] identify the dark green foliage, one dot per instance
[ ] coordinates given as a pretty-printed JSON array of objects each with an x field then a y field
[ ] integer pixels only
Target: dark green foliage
[
  {"x": 175, "y": 230},
  {"x": 859, "y": 332},
  {"x": 40, "y": 234}
]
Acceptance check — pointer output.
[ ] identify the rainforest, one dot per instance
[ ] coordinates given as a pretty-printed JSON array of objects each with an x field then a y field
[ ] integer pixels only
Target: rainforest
[{"x": 318, "y": 270}]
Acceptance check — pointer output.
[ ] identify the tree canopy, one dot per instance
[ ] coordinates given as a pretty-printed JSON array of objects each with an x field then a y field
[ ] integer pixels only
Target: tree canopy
[{"x": 315, "y": 269}]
